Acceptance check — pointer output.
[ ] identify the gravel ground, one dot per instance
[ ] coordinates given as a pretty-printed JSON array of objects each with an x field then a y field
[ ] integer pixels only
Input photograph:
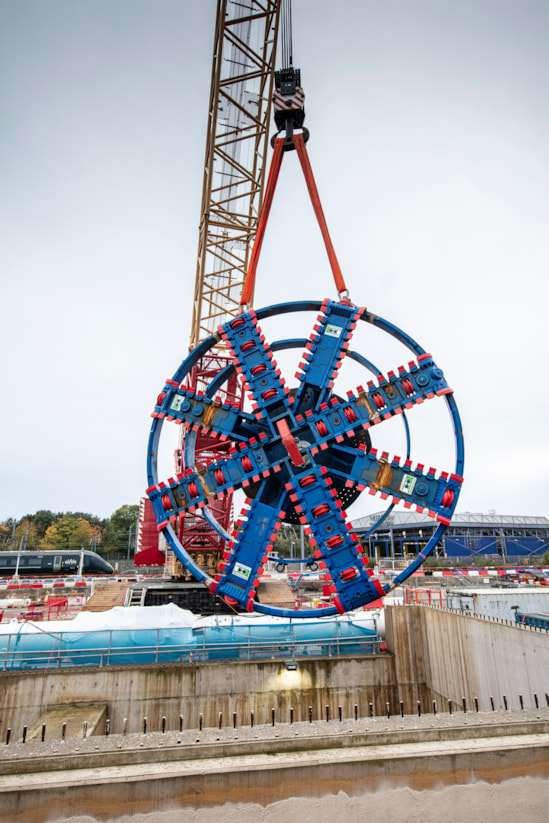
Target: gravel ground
[{"x": 281, "y": 731}]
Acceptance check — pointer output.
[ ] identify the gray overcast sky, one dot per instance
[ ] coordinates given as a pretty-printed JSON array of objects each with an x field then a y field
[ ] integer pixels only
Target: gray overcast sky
[{"x": 429, "y": 125}]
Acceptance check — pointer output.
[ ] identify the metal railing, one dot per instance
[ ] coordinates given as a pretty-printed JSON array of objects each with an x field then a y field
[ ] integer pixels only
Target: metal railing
[{"x": 57, "y": 655}]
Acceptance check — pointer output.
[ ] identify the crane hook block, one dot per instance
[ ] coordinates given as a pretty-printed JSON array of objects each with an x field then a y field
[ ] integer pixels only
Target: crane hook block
[{"x": 289, "y": 105}]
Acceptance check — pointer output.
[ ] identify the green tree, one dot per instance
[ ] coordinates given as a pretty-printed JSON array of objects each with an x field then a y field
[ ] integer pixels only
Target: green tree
[
  {"x": 42, "y": 520},
  {"x": 121, "y": 529}
]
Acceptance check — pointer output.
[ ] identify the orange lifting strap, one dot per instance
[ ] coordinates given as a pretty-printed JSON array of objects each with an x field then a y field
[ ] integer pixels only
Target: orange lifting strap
[{"x": 274, "y": 171}]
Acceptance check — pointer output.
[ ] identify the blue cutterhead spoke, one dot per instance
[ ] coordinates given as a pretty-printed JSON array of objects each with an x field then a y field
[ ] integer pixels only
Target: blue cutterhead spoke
[
  {"x": 427, "y": 491},
  {"x": 324, "y": 353},
  {"x": 255, "y": 364},
  {"x": 381, "y": 400},
  {"x": 192, "y": 491},
  {"x": 333, "y": 543},
  {"x": 195, "y": 411},
  {"x": 245, "y": 556}
]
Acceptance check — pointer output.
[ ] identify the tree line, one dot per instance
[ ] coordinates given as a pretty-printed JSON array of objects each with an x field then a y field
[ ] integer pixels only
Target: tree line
[{"x": 56, "y": 531}]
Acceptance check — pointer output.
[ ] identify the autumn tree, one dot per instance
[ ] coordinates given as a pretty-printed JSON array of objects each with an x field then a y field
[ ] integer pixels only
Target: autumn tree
[
  {"x": 6, "y": 532},
  {"x": 25, "y": 535},
  {"x": 68, "y": 532}
]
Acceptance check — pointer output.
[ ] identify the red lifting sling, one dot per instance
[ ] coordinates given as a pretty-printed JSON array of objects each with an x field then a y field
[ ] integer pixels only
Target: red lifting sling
[{"x": 276, "y": 162}]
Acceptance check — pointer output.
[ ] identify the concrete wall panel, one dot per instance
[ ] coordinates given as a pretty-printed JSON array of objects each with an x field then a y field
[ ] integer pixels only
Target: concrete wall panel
[
  {"x": 208, "y": 689},
  {"x": 466, "y": 656}
]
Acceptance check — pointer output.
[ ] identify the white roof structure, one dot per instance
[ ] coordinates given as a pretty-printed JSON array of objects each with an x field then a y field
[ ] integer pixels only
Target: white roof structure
[{"x": 401, "y": 519}]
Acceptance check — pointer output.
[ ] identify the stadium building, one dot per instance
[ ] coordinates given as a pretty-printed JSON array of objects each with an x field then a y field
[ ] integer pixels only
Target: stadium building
[{"x": 470, "y": 537}]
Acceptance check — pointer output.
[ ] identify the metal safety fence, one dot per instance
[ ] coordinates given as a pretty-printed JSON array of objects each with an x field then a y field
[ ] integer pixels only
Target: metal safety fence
[{"x": 115, "y": 648}]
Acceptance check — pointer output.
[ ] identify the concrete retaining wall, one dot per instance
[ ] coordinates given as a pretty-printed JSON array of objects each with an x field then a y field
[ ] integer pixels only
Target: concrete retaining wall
[
  {"x": 208, "y": 689},
  {"x": 444, "y": 655}
]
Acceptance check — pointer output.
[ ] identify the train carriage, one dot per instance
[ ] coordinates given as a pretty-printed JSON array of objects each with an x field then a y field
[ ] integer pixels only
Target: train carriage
[{"x": 52, "y": 563}]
